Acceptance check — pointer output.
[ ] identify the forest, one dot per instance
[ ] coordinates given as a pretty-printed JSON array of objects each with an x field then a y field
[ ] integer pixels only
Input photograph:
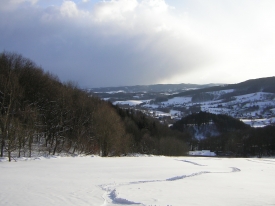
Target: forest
[
  {"x": 233, "y": 137},
  {"x": 41, "y": 115}
]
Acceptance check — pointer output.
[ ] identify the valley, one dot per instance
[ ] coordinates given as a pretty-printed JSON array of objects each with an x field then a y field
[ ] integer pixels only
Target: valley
[{"x": 252, "y": 101}]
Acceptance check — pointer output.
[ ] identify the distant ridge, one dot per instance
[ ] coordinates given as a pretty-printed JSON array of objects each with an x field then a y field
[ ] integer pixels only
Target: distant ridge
[
  {"x": 266, "y": 84},
  {"x": 153, "y": 88}
]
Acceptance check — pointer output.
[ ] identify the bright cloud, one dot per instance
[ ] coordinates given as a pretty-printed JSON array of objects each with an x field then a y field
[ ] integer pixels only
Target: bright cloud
[
  {"x": 126, "y": 42},
  {"x": 69, "y": 9}
]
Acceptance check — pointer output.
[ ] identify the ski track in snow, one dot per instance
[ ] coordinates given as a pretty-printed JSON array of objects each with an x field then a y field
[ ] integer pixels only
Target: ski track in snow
[
  {"x": 194, "y": 163},
  {"x": 185, "y": 176},
  {"x": 270, "y": 162},
  {"x": 235, "y": 169},
  {"x": 112, "y": 194}
]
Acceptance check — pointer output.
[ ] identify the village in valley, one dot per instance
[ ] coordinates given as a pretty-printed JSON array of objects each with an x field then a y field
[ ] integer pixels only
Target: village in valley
[{"x": 253, "y": 106}]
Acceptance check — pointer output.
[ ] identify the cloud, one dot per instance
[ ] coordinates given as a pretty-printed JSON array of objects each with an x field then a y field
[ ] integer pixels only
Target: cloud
[
  {"x": 10, "y": 5},
  {"x": 126, "y": 42},
  {"x": 241, "y": 35},
  {"x": 69, "y": 9}
]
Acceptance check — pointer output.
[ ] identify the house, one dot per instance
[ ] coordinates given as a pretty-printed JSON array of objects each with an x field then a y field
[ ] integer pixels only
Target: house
[{"x": 202, "y": 153}]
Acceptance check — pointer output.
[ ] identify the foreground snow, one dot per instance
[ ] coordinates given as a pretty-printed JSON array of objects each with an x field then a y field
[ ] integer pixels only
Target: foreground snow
[{"x": 158, "y": 181}]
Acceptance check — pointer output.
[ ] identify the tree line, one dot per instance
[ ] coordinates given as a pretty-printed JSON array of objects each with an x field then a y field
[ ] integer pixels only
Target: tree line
[
  {"x": 39, "y": 114},
  {"x": 234, "y": 138}
]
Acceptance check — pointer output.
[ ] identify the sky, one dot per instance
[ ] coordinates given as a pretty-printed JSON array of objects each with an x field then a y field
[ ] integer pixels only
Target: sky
[{"x": 100, "y": 43}]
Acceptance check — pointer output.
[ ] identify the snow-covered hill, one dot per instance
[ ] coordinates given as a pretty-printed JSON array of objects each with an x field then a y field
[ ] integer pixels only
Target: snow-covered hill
[
  {"x": 156, "y": 180},
  {"x": 252, "y": 101}
]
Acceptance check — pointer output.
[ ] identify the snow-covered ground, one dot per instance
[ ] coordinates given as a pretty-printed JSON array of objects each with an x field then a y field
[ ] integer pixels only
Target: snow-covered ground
[
  {"x": 256, "y": 106},
  {"x": 131, "y": 102},
  {"x": 128, "y": 102},
  {"x": 259, "y": 122},
  {"x": 160, "y": 181},
  {"x": 177, "y": 100},
  {"x": 221, "y": 92}
]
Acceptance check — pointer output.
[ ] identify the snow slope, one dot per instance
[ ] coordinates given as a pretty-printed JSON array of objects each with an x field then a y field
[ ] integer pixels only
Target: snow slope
[
  {"x": 177, "y": 100},
  {"x": 129, "y": 102},
  {"x": 147, "y": 181}
]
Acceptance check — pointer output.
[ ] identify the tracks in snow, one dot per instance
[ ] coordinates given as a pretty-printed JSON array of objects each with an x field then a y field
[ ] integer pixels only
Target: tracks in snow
[
  {"x": 186, "y": 176},
  {"x": 112, "y": 194},
  {"x": 263, "y": 161},
  {"x": 194, "y": 163}
]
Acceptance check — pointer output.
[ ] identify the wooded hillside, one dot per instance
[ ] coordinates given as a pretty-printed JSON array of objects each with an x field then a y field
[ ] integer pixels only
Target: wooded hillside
[
  {"x": 42, "y": 115},
  {"x": 227, "y": 136}
]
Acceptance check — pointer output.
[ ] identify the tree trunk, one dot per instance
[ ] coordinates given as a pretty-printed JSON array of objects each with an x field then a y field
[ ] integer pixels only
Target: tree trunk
[
  {"x": 56, "y": 144},
  {"x": 2, "y": 147},
  {"x": 9, "y": 154}
]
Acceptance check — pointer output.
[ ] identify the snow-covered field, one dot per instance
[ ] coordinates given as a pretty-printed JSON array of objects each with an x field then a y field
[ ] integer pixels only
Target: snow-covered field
[
  {"x": 178, "y": 100},
  {"x": 128, "y": 102},
  {"x": 146, "y": 180},
  {"x": 259, "y": 122},
  {"x": 131, "y": 102}
]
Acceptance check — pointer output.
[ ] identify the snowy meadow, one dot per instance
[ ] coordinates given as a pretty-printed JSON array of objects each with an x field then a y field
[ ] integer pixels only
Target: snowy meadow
[{"x": 145, "y": 180}]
